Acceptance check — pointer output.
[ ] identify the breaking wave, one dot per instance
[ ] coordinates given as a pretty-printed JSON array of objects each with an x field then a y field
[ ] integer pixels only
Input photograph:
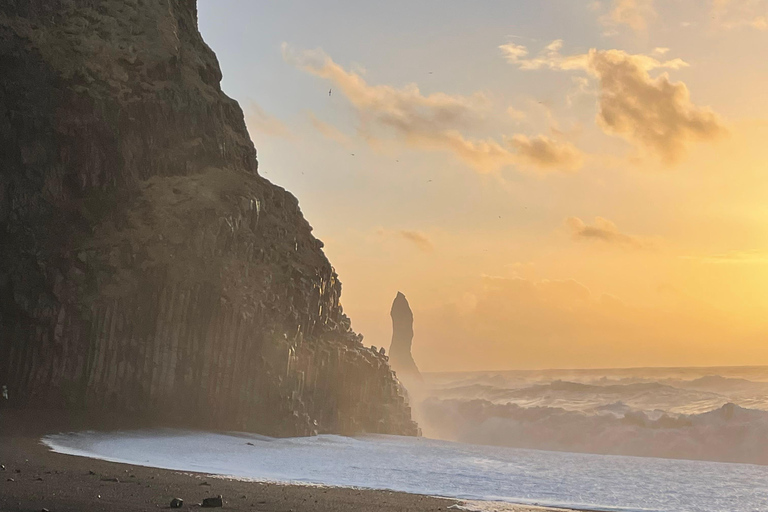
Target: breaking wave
[{"x": 705, "y": 417}]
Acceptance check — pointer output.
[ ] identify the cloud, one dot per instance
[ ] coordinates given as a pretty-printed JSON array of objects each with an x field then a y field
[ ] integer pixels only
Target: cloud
[
  {"x": 543, "y": 152},
  {"x": 632, "y": 13},
  {"x": 260, "y": 121},
  {"x": 418, "y": 239},
  {"x": 435, "y": 121},
  {"x": 733, "y": 258},
  {"x": 653, "y": 113},
  {"x": 580, "y": 90},
  {"x": 328, "y": 131},
  {"x": 515, "y": 114},
  {"x": 522, "y": 322},
  {"x": 730, "y": 14},
  {"x": 603, "y": 230},
  {"x": 549, "y": 58}
]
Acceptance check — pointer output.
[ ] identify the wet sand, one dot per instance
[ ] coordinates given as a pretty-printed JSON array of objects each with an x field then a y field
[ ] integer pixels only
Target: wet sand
[{"x": 35, "y": 479}]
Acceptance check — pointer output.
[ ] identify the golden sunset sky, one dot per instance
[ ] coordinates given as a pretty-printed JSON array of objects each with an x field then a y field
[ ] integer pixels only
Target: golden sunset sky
[{"x": 559, "y": 183}]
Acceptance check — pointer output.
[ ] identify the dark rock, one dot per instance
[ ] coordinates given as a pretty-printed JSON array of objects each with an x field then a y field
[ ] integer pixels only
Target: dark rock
[
  {"x": 177, "y": 503},
  {"x": 145, "y": 265},
  {"x": 402, "y": 337},
  {"x": 216, "y": 501}
]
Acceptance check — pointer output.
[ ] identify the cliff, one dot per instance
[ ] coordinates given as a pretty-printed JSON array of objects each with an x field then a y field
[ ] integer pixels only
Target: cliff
[
  {"x": 400, "y": 355},
  {"x": 145, "y": 266}
]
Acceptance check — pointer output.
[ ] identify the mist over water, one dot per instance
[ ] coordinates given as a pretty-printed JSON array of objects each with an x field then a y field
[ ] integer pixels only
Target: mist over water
[{"x": 718, "y": 414}]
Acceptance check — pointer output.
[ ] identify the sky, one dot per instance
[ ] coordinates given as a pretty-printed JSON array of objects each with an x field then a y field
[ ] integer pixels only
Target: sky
[{"x": 552, "y": 184}]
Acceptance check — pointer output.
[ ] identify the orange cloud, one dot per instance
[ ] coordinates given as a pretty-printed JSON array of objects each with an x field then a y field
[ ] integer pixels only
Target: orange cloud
[
  {"x": 435, "y": 121},
  {"x": 656, "y": 114},
  {"x": 653, "y": 113},
  {"x": 729, "y": 14},
  {"x": 633, "y": 13},
  {"x": 603, "y": 230},
  {"x": 418, "y": 239},
  {"x": 504, "y": 323},
  {"x": 543, "y": 152},
  {"x": 260, "y": 121},
  {"x": 328, "y": 131}
]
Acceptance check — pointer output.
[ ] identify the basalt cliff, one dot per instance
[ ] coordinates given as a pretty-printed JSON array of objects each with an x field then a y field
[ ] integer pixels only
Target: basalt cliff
[{"x": 145, "y": 266}]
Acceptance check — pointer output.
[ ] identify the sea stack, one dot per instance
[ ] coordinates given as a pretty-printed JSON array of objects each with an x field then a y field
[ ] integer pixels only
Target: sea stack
[
  {"x": 400, "y": 357},
  {"x": 146, "y": 267}
]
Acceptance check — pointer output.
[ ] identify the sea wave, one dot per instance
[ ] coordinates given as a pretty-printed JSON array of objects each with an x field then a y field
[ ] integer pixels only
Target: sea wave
[{"x": 729, "y": 433}]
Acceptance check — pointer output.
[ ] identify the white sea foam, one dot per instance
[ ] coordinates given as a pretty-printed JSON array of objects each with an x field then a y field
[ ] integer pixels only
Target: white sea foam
[
  {"x": 718, "y": 414},
  {"x": 455, "y": 470}
]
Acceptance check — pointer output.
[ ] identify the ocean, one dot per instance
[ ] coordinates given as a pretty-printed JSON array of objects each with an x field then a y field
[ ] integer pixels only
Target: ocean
[
  {"x": 671, "y": 440},
  {"x": 716, "y": 414}
]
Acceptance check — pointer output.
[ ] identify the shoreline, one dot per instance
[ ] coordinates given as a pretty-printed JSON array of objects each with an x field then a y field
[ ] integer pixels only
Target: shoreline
[{"x": 37, "y": 478}]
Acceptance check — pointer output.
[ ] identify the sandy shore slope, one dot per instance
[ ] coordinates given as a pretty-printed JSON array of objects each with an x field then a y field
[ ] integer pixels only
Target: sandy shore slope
[{"x": 35, "y": 478}]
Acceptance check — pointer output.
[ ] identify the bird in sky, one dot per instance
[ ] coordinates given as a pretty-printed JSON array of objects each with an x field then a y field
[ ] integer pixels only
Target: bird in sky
[{"x": 329, "y": 91}]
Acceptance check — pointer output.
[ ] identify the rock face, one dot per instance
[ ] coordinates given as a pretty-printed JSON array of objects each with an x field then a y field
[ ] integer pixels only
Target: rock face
[
  {"x": 145, "y": 266},
  {"x": 402, "y": 337}
]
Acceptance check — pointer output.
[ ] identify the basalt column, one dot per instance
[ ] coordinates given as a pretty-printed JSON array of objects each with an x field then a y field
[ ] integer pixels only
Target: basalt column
[
  {"x": 145, "y": 265},
  {"x": 402, "y": 338}
]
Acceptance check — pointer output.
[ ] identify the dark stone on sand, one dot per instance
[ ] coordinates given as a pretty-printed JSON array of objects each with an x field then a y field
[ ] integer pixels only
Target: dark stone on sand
[
  {"x": 214, "y": 502},
  {"x": 177, "y": 503}
]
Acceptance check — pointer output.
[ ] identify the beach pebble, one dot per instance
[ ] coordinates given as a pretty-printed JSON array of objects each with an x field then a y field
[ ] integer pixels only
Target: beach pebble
[
  {"x": 212, "y": 502},
  {"x": 177, "y": 503}
]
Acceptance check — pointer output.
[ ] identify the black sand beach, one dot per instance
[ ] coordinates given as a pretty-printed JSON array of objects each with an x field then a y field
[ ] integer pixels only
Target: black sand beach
[{"x": 36, "y": 479}]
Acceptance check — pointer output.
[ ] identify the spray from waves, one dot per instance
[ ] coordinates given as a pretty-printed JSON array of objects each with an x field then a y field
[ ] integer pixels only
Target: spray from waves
[{"x": 706, "y": 417}]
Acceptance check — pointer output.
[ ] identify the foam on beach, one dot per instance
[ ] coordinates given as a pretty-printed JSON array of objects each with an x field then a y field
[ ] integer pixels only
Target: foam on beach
[{"x": 476, "y": 474}]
